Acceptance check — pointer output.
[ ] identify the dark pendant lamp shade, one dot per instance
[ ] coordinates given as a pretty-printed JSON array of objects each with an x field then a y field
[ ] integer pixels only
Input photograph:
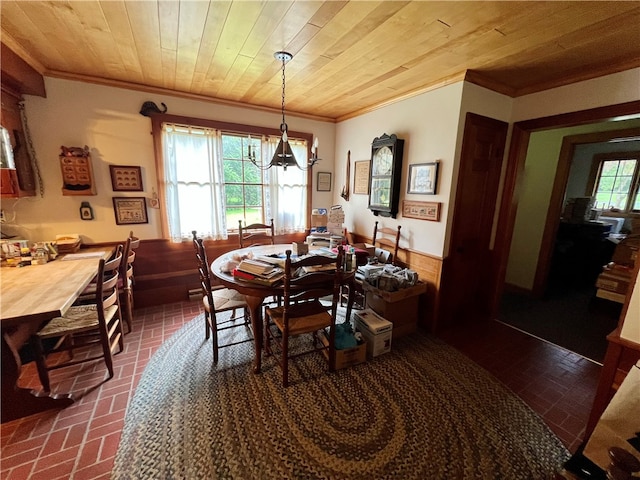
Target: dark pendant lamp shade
[{"x": 283, "y": 156}]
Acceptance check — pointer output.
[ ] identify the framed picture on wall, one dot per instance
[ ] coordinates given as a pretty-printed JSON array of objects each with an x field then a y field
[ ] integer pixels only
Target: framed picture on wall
[
  {"x": 361, "y": 179},
  {"x": 126, "y": 178},
  {"x": 130, "y": 210},
  {"x": 421, "y": 210},
  {"x": 423, "y": 178},
  {"x": 323, "y": 182}
]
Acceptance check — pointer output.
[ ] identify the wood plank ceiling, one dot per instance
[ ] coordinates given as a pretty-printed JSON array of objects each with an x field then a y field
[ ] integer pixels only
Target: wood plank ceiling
[{"x": 349, "y": 56}]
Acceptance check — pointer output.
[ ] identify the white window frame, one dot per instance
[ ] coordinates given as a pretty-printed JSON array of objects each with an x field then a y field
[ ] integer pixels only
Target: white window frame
[
  {"x": 634, "y": 189},
  {"x": 301, "y": 140}
]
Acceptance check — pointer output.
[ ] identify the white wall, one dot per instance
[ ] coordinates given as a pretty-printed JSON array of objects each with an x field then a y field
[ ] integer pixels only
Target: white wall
[
  {"x": 612, "y": 89},
  {"x": 107, "y": 120},
  {"x": 428, "y": 124}
]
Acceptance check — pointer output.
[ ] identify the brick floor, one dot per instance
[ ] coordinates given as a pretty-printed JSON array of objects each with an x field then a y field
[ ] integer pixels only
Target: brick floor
[{"x": 80, "y": 441}]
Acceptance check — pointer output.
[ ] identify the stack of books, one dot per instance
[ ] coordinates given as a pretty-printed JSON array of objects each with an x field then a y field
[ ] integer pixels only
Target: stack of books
[
  {"x": 614, "y": 282},
  {"x": 261, "y": 273}
]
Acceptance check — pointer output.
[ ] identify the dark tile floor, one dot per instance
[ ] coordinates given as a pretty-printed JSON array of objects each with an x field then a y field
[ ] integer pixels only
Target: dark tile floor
[
  {"x": 557, "y": 384},
  {"x": 573, "y": 318},
  {"x": 80, "y": 442}
]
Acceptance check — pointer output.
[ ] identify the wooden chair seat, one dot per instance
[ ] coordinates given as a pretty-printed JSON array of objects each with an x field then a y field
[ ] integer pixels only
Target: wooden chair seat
[
  {"x": 303, "y": 317},
  {"x": 78, "y": 319},
  {"x": 226, "y": 299}
]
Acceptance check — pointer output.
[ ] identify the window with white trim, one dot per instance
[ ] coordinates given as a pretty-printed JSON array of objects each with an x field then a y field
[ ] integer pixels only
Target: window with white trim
[
  {"x": 617, "y": 181},
  {"x": 209, "y": 183}
]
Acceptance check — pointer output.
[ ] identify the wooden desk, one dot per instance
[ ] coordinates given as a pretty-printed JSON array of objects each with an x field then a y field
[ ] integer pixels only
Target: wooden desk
[{"x": 30, "y": 296}]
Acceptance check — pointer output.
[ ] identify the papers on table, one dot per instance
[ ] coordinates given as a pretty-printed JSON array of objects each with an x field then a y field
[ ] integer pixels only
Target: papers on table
[{"x": 82, "y": 256}]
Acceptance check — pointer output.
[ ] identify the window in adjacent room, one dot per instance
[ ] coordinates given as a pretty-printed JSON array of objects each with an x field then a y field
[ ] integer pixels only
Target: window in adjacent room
[
  {"x": 617, "y": 181},
  {"x": 209, "y": 183}
]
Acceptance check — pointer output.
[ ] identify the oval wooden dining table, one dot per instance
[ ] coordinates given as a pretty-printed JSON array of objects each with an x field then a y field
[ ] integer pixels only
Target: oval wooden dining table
[{"x": 254, "y": 293}]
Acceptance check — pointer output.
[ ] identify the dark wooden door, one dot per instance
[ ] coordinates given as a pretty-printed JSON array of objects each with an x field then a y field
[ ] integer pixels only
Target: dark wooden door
[{"x": 468, "y": 270}]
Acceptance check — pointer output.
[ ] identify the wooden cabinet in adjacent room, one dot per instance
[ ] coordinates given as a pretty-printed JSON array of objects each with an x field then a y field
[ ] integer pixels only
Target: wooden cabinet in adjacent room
[
  {"x": 18, "y": 79},
  {"x": 19, "y": 181}
]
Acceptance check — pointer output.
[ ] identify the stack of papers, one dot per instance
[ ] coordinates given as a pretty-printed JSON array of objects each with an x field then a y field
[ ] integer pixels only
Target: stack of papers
[
  {"x": 68, "y": 243},
  {"x": 255, "y": 267}
]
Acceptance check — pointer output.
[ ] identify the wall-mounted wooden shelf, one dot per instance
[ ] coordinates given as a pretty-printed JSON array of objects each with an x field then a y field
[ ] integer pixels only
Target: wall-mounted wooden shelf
[{"x": 77, "y": 175}]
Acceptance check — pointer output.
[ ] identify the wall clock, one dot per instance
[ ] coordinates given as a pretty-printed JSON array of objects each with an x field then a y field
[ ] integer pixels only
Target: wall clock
[{"x": 384, "y": 176}]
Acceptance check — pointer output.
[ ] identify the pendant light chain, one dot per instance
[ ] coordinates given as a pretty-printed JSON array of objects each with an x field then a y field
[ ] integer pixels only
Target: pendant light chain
[{"x": 283, "y": 127}]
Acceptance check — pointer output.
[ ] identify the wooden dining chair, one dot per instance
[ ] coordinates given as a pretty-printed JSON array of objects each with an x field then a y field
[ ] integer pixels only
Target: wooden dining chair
[
  {"x": 256, "y": 234},
  {"x": 85, "y": 326},
  {"x": 217, "y": 299},
  {"x": 306, "y": 281},
  {"x": 125, "y": 283},
  {"x": 386, "y": 242}
]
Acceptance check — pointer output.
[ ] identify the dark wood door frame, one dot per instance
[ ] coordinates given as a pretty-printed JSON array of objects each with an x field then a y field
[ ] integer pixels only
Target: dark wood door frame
[
  {"x": 567, "y": 151},
  {"x": 515, "y": 166}
]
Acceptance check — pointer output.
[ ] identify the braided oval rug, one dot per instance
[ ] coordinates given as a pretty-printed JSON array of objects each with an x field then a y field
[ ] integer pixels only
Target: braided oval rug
[{"x": 422, "y": 411}]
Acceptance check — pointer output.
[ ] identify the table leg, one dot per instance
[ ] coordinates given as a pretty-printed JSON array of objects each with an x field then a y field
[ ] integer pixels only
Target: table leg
[
  {"x": 19, "y": 402},
  {"x": 255, "y": 310}
]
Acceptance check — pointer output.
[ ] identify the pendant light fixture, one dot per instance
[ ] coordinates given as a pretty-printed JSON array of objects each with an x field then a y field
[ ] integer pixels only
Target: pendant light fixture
[{"x": 283, "y": 156}]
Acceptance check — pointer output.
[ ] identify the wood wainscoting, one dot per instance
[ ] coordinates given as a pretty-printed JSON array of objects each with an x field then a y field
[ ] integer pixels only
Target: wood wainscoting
[
  {"x": 166, "y": 271},
  {"x": 429, "y": 269}
]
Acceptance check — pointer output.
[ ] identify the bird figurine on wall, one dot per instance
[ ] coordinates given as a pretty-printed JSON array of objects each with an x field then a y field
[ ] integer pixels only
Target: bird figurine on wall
[{"x": 150, "y": 108}]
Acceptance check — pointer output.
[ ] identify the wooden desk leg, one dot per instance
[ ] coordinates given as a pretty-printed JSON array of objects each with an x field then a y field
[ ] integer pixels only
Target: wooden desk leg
[
  {"x": 19, "y": 402},
  {"x": 255, "y": 310}
]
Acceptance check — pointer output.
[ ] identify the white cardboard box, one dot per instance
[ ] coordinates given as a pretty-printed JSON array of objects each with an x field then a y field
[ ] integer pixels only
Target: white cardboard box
[{"x": 376, "y": 331}]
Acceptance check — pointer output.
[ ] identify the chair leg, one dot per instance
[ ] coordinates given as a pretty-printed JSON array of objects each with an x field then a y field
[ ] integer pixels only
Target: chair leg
[
  {"x": 207, "y": 326},
  {"x": 247, "y": 317},
  {"x": 214, "y": 334},
  {"x": 106, "y": 347},
  {"x": 285, "y": 359},
  {"x": 266, "y": 337},
  {"x": 332, "y": 348},
  {"x": 120, "y": 335},
  {"x": 41, "y": 362},
  {"x": 128, "y": 309}
]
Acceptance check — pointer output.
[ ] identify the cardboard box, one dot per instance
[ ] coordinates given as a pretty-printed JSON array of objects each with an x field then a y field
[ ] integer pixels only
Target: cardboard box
[
  {"x": 403, "y": 314},
  {"x": 370, "y": 249},
  {"x": 299, "y": 248},
  {"x": 398, "y": 295},
  {"x": 375, "y": 330},
  {"x": 608, "y": 295},
  {"x": 613, "y": 283},
  {"x": 346, "y": 357},
  {"x": 626, "y": 252},
  {"x": 319, "y": 220}
]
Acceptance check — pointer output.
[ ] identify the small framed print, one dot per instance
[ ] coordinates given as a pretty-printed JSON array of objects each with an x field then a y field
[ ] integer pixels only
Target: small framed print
[
  {"x": 86, "y": 212},
  {"x": 421, "y": 210},
  {"x": 130, "y": 210},
  {"x": 423, "y": 178},
  {"x": 361, "y": 179},
  {"x": 323, "y": 182},
  {"x": 125, "y": 178}
]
